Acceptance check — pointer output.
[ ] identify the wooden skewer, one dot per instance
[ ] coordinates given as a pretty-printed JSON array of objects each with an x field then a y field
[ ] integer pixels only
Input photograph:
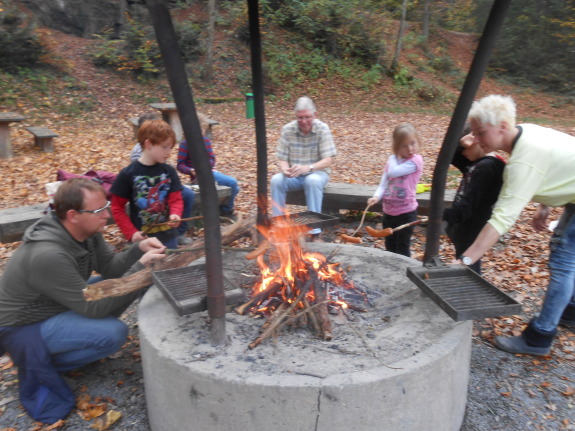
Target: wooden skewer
[
  {"x": 351, "y": 238},
  {"x": 389, "y": 231},
  {"x": 174, "y": 221}
]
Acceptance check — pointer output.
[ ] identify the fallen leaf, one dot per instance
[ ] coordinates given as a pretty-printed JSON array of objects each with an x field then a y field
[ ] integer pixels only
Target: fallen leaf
[
  {"x": 102, "y": 424},
  {"x": 551, "y": 407},
  {"x": 56, "y": 425}
]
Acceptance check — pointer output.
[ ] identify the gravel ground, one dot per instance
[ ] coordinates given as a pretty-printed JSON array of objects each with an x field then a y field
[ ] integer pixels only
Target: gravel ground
[{"x": 506, "y": 392}]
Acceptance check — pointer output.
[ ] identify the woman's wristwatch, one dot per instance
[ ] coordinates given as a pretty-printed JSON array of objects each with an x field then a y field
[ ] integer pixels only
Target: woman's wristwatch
[{"x": 466, "y": 260}]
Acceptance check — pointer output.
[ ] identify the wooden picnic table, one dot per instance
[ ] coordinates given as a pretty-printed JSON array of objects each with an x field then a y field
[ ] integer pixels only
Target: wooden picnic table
[
  {"x": 170, "y": 115},
  {"x": 5, "y": 145}
]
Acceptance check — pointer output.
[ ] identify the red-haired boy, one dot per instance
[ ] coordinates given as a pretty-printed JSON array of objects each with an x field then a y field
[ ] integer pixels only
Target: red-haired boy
[{"x": 152, "y": 187}]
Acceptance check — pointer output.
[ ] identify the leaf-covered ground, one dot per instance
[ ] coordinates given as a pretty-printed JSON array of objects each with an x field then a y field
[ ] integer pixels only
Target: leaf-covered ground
[{"x": 505, "y": 392}]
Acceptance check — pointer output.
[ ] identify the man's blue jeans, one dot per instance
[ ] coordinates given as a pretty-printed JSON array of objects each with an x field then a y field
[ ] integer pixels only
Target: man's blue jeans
[
  {"x": 312, "y": 184},
  {"x": 561, "y": 289},
  {"x": 74, "y": 340},
  {"x": 225, "y": 180}
]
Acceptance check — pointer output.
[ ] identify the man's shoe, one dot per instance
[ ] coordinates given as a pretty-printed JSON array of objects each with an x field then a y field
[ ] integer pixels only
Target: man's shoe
[
  {"x": 184, "y": 240},
  {"x": 568, "y": 323},
  {"x": 518, "y": 345}
]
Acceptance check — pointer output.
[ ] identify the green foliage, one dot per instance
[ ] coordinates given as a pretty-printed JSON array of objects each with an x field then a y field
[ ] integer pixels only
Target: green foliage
[
  {"x": 401, "y": 77},
  {"x": 189, "y": 40},
  {"x": 443, "y": 64},
  {"x": 373, "y": 76},
  {"x": 285, "y": 66},
  {"x": 536, "y": 44},
  {"x": 137, "y": 52},
  {"x": 340, "y": 29},
  {"x": 20, "y": 45},
  {"x": 37, "y": 87},
  {"x": 428, "y": 93}
]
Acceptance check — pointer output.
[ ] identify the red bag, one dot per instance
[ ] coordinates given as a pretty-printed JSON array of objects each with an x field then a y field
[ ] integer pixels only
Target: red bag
[{"x": 104, "y": 178}]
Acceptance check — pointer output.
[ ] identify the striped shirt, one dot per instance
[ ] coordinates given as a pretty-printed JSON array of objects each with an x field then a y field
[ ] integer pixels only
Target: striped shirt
[{"x": 297, "y": 149}]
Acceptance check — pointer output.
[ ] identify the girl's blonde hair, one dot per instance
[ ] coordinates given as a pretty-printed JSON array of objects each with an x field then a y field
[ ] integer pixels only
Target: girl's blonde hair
[{"x": 400, "y": 133}]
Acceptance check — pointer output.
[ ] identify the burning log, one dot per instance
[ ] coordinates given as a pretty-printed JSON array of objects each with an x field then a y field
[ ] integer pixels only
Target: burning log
[
  {"x": 312, "y": 316},
  {"x": 297, "y": 287},
  {"x": 321, "y": 313},
  {"x": 271, "y": 290},
  {"x": 143, "y": 278}
]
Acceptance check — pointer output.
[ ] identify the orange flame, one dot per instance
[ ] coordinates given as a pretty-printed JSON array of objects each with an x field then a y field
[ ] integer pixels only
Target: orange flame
[{"x": 289, "y": 265}]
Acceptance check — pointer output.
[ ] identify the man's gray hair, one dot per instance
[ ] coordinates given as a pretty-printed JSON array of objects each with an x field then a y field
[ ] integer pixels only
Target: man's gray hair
[
  {"x": 304, "y": 103},
  {"x": 494, "y": 110}
]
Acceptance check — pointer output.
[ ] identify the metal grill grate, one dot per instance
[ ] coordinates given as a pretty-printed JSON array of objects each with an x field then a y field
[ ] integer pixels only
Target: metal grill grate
[
  {"x": 186, "y": 288},
  {"x": 307, "y": 218},
  {"x": 462, "y": 293}
]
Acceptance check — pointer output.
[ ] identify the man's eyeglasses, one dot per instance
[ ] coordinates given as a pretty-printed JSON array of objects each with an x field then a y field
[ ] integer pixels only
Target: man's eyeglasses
[{"x": 98, "y": 211}]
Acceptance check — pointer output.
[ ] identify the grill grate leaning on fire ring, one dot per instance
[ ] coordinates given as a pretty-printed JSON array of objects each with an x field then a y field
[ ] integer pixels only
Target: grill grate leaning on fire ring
[
  {"x": 462, "y": 293},
  {"x": 186, "y": 288}
]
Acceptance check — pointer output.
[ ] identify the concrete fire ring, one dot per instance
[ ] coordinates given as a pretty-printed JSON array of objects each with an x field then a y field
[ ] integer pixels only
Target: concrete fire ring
[{"x": 404, "y": 365}]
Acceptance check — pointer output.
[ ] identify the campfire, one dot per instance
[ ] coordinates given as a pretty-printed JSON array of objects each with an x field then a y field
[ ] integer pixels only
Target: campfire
[{"x": 298, "y": 288}]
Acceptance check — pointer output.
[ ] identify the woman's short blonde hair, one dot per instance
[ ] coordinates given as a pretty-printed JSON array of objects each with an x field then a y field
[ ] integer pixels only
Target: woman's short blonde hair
[
  {"x": 400, "y": 133},
  {"x": 494, "y": 110}
]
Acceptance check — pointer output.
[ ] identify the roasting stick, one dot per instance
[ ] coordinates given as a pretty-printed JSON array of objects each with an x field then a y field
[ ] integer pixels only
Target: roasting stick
[
  {"x": 147, "y": 228},
  {"x": 389, "y": 231},
  {"x": 352, "y": 238}
]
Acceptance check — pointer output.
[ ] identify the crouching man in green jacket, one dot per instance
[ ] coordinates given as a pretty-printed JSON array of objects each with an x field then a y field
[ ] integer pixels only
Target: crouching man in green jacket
[{"x": 45, "y": 323}]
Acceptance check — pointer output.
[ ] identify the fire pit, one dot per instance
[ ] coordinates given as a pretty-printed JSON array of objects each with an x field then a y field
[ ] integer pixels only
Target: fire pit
[{"x": 401, "y": 365}]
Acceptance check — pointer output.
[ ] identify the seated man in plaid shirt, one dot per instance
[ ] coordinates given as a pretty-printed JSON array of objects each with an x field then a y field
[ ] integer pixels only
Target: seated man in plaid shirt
[{"x": 305, "y": 152}]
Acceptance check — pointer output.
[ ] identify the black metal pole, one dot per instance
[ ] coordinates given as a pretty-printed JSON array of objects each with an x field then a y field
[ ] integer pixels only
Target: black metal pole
[
  {"x": 182, "y": 93},
  {"x": 259, "y": 110},
  {"x": 451, "y": 140}
]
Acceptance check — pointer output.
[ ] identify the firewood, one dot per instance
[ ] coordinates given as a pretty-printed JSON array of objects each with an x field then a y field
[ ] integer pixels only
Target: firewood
[
  {"x": 322, "y": 312},
  {"x": 273, "y": 316},
  {"x": 138, "y": 280},
  {"x": 277, "y": 321},
  {"x": 271, "y": 289}
]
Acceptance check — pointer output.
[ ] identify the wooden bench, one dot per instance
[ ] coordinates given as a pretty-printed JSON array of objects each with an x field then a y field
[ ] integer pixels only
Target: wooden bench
[
  {"x": 344, "y": 196},
  {"x": 43, "y": 138},
  {"x": 14, "y": 221},
  {"x": 5, "y": 145}
]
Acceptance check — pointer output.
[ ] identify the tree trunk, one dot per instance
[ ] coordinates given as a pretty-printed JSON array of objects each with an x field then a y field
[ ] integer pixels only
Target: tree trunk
[
  {"x": 208, "y": 72},
  {"x": 395, "y": 61},
  {"x": 120, "y": 19},
  {"x": 425, "y": 21}
]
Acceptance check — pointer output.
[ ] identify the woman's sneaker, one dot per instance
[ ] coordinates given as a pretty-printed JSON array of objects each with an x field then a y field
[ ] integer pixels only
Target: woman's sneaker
[{"x": 518, "y": 345}]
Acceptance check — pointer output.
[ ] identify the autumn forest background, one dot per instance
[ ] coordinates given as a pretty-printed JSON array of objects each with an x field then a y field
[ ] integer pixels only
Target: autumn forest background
[{"x": 83, "y": 68}]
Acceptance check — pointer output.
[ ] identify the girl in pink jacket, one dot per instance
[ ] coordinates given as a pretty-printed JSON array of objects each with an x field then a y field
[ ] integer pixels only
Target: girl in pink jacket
[{"x": 397, "y": 187}]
